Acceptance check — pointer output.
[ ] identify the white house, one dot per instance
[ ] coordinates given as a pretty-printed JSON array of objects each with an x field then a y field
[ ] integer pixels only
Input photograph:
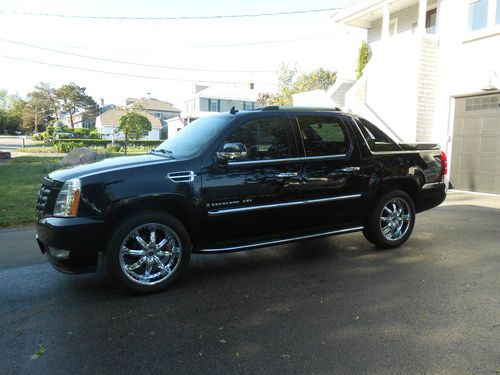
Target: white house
[
  {"x": 211, "y": 100},
  {"x": 108, "y": 123},
  {"x": 434, "y": 75}
]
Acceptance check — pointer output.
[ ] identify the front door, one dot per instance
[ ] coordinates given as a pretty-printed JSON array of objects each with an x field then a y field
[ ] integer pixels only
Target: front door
[
  {"x": 333, "y": 182},
  {"x": 257, "y": 195}
]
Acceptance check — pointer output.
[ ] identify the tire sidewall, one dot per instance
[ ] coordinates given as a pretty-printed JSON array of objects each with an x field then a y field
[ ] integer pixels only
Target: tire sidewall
[{"x": 123, "y": 228}]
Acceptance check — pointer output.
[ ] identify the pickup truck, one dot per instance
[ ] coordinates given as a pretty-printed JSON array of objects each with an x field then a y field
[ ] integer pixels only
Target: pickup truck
[{"x": 236, "y": 181}]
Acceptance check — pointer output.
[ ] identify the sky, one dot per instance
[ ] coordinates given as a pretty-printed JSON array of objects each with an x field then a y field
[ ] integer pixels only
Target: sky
[{"x": 308, "y": 41}]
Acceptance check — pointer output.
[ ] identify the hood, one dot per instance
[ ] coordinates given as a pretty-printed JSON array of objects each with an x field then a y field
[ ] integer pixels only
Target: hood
[{"x": 107, "y": 165}]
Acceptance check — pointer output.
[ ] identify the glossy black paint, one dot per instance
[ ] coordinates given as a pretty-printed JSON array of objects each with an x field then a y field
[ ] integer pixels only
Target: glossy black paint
[{"x": 296, "y": 196}]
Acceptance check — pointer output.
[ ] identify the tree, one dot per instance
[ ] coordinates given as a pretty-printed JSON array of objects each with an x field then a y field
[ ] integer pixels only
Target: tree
[
  {"x": 73, "y": 98},
  {"x": 289, "y": 84},
  {"x": 39, "y": 111},
  {"x": 11, "y": 114},
  {"x": 363, "y": 58},
  {"x": 134, "y": 126},
  {"x": 49, "y": 94}
]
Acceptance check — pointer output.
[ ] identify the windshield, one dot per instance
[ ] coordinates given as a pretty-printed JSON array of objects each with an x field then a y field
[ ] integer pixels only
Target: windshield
[{"x": 194, "y": 137}]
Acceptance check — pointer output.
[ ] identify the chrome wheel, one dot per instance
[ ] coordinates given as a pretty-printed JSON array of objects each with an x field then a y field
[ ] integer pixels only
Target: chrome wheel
[
  {"x": 150, "y": 254},
  {"x": 395, "y": 219}
]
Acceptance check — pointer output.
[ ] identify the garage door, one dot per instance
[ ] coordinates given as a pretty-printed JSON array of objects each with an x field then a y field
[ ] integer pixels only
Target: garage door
[{"x": 475, "y": 159}]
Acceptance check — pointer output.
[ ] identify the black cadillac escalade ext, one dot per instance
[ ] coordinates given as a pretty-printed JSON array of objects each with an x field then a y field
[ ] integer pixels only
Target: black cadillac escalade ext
[{"x": 236, "y": 181}]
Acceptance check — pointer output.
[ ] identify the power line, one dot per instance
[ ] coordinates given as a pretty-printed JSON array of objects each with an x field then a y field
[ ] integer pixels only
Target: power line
[
  {"x": 201, "y": 46},
  {"x": 129, "y": 74},
  {"x": 132, "y": 63},
  {"x": 307, "y": 11}
]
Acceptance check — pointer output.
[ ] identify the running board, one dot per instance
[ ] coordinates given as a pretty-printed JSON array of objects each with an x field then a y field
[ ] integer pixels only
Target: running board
[{"x": 278, "y": 242}]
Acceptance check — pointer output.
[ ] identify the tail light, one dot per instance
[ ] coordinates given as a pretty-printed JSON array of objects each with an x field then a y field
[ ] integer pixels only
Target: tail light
[{"x": 444, "y": 164}]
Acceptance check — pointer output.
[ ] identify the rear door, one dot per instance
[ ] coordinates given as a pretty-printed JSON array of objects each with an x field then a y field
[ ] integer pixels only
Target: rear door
[
  {"x": 333, "y": 183},
  {"x": 259, "y": 195}
]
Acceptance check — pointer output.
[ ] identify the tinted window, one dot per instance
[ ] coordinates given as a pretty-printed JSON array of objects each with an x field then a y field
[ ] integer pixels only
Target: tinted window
[
  {"x": 323, "y": 136},
  {"x": 377, "y": 140},
  {"x": 264, "y": 139},
  {"x": 195, "y": 136}
]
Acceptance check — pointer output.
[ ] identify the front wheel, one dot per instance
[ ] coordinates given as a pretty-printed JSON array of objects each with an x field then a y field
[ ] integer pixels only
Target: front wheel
[
  {"x": 147, "y": 252},
  {"x": 391, "y": 221}
]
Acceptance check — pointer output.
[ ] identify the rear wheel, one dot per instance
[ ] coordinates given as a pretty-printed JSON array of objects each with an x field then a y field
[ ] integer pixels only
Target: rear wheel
[
  {"x": 148, "y": 252},
  {"x": 391, "y": 221}
]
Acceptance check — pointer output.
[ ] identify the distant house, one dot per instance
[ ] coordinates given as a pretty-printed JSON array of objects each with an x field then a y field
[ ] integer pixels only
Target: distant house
[
  {"x": 210, "y": 99},
  {"x": 108, "y": 123},
  {"x": 162, "y": 109}
]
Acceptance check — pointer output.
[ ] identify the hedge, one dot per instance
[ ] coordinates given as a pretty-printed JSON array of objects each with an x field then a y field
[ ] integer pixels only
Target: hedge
[{"x": 66, "y": 145}]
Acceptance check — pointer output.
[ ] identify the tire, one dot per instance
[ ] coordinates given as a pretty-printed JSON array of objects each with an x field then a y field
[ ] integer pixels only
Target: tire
[
  {"x": 145, "y": 262},
  {"x": 391, "y": 220}
]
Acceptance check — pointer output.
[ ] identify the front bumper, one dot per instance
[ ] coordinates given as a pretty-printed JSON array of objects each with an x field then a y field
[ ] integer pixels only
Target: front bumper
[
  {"x": 431, "y": 195},
  {"x": 72, "y": 244}
]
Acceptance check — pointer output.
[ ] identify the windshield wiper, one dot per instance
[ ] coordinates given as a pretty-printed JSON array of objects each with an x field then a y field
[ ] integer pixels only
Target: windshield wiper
[{"x": 161, "y": 151}]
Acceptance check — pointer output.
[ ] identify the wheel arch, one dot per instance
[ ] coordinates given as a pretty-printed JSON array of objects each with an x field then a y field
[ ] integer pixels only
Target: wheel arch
[{"x": 178, "y": 206}]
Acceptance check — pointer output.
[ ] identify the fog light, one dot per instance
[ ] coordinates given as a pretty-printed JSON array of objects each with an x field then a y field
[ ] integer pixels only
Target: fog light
[{"x": 59, "y": 253}]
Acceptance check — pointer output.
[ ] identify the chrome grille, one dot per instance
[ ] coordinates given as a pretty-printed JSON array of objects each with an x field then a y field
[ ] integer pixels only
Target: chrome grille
[{"x": 43, "y": 197}]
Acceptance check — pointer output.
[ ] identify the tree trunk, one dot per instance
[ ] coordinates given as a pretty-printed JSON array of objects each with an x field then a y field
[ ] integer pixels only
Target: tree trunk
[{"x": 71, "y": 120}]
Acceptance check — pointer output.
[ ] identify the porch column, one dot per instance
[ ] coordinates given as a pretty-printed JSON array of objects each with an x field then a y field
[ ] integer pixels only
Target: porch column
[
  {"x": 422, "y": 15},
  {"x": 386, "y": 18}
]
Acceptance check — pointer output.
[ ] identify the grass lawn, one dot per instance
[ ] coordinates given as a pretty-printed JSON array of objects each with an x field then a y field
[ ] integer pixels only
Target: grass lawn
[{"x": 19, "y": 184}]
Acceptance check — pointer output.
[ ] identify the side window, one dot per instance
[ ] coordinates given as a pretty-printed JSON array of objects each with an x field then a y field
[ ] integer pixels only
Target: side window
[
  {"x": 323, "y": 136},
  {"x": 264, "y": 139},
  {"x": 377, "y": 140}
]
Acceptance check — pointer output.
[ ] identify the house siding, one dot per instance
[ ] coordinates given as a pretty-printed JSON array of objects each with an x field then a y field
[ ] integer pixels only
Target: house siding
[
  {"x": 406, "y": 21},
  {"x": 427, "y": 88}
]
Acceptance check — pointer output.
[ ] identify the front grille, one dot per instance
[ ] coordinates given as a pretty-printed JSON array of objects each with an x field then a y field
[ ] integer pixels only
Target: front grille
[{"x": 43, "y": 197}]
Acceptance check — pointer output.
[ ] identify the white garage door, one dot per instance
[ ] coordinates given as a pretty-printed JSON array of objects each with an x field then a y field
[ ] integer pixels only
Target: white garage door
[{"x": 475, "y": 159}]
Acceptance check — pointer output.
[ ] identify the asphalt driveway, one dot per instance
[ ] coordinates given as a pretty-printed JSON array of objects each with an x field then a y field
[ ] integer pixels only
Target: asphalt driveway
[{"x": 329, "y": 306}]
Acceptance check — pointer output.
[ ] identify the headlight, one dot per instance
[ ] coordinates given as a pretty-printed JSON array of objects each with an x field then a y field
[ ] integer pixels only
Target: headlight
[{"x": 68, "y": 198}]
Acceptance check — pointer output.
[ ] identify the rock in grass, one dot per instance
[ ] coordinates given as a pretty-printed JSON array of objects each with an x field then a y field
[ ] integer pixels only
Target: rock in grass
[{"x": 81, "y": 155}]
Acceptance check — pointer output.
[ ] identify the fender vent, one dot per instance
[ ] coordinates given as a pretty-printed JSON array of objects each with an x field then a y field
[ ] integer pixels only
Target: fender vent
[{"x": 186, "y": 176}]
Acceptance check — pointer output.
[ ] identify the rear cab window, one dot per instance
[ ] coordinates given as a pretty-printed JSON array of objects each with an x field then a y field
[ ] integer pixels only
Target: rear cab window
[
  {"x": 323, "y": 136},
  {"x": 375, "y": 138}
]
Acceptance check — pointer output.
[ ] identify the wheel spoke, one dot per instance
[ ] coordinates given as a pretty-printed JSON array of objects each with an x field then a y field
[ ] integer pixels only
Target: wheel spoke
[
  {"x": 388, "y": 210},
  {"x": 385, "y": 218},
  {"x": 161, "y": 244},
  {"x": 152, "y": 236},
  {"x": 141, "y": 242},
  {"x": 405, "y": 217},
  {"x": 137, "y": 264},
  {"x": 149, "y": 268},
  {"x": 136, "y": 253}
]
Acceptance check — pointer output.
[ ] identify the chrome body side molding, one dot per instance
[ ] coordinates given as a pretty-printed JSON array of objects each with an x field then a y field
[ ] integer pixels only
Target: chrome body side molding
[{"x": 225, "y": 211}]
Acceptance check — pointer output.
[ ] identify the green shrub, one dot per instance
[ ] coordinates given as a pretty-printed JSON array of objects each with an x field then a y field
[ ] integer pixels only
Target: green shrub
[{"x": 67, "y": 146}]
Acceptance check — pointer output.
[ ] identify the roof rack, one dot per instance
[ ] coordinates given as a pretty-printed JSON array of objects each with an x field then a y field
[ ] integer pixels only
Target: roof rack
[{"x": 294, "y": 108}]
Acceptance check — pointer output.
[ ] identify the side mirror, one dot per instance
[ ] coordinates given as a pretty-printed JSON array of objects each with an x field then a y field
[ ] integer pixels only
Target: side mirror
[{"x": 232, "y": 151}]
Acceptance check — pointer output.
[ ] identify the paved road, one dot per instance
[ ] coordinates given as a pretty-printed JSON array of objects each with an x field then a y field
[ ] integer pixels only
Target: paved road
[
  {"x": 330, "y": 306},
  {"x": 10, "y": 143}
]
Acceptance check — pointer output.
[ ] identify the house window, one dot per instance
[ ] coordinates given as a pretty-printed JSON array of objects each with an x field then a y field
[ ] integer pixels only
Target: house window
[
  {"x": 478, "y": 14},
  {"x": 430, "y": 21},
  {"x": 157, "y": 114},
  {"x": 497, "y": 18},
  {"x": 213, "y": 106}
]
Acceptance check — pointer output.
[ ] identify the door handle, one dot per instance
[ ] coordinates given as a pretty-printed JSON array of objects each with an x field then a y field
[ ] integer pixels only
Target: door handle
[
  {"x": 287, "y": 174},
  {"x": 350, "y": 169}
]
